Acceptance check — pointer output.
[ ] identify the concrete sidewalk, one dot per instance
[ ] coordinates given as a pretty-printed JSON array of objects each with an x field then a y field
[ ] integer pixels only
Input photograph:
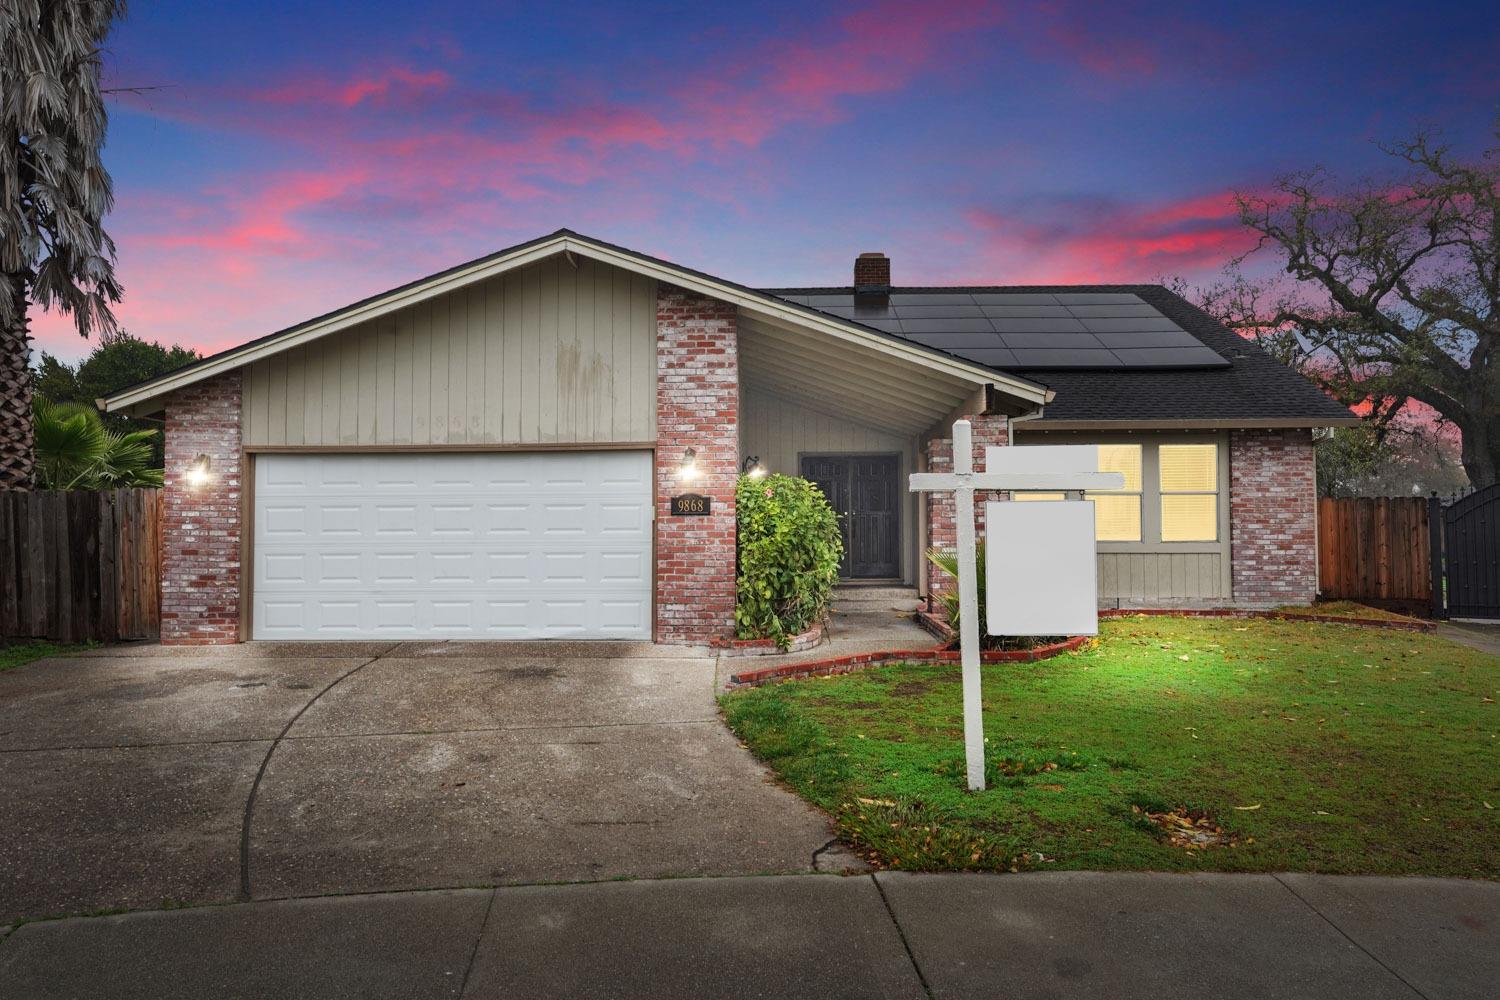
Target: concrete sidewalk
[{"x": 891, "y": 935}]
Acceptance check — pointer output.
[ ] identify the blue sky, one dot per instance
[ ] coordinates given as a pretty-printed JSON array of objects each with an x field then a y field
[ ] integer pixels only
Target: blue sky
[{"x": 302, "y": 156}]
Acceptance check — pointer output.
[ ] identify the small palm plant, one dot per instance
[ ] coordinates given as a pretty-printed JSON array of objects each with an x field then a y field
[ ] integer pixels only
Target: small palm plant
[
  {"x": 74, "y": 451},
  {"x": 947, "y": 561}
]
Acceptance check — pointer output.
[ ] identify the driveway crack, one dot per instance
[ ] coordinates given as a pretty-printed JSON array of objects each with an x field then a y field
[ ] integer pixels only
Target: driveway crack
[
  {"x": 255, "y": 785},
  {"x": 474, "y": 952},
  {"x": 1344, "y": 934},
  {"x": 901, "y": 933}
]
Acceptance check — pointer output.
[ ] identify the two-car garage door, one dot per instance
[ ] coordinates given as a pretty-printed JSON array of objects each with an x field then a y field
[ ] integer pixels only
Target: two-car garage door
[{"x": 443, "y": 545}]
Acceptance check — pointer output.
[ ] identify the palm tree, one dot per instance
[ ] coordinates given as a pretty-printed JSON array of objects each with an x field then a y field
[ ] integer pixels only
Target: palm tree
[
  {"x": 75, "y": 451},
  {"x": 54, "y": 194}
]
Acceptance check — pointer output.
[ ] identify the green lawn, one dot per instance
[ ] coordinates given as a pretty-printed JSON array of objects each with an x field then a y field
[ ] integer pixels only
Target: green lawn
[
  {"x": 13, "y": 656},
  {"x": 1327, "y": 748}
]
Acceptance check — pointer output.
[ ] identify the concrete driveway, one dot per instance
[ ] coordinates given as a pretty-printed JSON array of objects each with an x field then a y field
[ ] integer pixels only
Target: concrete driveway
[{"x": 138, "y": 777}]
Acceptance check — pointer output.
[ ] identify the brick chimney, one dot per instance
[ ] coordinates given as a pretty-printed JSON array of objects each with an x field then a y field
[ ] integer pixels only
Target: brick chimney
[{"x": 872, "y": 273}]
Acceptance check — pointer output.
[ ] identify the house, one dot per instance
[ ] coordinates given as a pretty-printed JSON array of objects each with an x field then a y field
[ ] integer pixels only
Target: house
[{"x": 492, "y": 451}]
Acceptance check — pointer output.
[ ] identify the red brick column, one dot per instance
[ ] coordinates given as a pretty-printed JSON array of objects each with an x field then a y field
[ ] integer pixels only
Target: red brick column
[
  {"x": 697, "y": 406},
  {"x": 1273, "y": 528},
  {"x": 200, "y": 588},
  {"x": 942, "y": 529}
]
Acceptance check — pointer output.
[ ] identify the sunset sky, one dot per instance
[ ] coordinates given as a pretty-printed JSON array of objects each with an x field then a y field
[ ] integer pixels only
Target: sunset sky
[{"x": 301, "y": 156}]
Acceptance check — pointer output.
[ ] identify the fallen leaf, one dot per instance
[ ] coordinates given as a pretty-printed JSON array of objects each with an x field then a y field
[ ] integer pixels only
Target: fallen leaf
[
  {"x": 1248, "y": 808},
  {"x": 1183, "y": 657},
  {"x": 1319, "y": 812},
  {"x": 877, "y": 802}
]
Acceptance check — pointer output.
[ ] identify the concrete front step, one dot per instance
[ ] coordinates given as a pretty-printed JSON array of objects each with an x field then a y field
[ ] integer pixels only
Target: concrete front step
[{"x": 847, "y": 597}]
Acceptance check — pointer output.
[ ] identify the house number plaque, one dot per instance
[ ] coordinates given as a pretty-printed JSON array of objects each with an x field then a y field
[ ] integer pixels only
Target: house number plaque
[{"x": 690, "y": 503}]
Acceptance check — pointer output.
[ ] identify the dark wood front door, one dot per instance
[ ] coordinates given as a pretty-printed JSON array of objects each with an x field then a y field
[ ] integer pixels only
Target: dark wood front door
[{"x": 865, "y": 490}]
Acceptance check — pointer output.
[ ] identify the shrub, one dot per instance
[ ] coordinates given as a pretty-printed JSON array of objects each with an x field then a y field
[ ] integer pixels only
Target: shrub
[{"x": 789, "y": 549}]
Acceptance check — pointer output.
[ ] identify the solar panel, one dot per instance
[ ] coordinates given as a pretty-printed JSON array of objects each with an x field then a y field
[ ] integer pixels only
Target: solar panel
[{"x": 1020, "y": 330}]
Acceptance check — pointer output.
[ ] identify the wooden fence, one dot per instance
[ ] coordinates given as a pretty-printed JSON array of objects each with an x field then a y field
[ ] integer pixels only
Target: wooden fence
[
  {"x": 80, "y": 565},
  {"x": 1377, "y": 551}
]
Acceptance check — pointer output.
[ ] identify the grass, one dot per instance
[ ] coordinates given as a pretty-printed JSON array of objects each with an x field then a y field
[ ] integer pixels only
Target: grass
[
  {"x": 14, "y": 655},
  {"x": 1313, "y": 747}
]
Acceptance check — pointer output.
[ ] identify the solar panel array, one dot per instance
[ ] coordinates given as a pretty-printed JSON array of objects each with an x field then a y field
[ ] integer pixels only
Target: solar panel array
[{"x": 1020, "y": 330}]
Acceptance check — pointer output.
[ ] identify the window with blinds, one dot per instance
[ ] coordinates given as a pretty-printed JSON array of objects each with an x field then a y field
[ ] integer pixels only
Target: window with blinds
[
  {"x": 1188, "y": 475},
  {"x": 1117, "y": 513},
  {"x": 1179, "y": 482}
]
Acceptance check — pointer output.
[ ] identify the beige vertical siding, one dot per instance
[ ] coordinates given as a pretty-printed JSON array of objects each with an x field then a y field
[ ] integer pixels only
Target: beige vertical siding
[
  {"x": 1140, "y": 578},
  {"x": 780, "y": 430},
  {"x": 549, "y": 354}
]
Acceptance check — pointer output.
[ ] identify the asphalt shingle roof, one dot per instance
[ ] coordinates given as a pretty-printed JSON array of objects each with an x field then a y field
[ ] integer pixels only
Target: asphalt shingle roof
[{"x": 1200, "y": 372}]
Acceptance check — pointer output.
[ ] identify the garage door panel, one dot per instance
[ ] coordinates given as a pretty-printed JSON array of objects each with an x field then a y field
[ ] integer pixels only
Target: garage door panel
[{"x": 455, "y": 546}]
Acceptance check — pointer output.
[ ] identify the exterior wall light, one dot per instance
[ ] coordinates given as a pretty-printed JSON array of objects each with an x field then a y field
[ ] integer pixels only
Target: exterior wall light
[
  {"x": 752, "y": 467},
  {"x": 687, "y": 469},
  {"x": 198, "y": 472}
]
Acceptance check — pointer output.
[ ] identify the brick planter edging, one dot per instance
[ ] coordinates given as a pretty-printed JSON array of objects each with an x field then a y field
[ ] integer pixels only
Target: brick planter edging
[
  {"x": 767, "y": 647},
  {"x": 1409, "y": 625},
  {"x": 862, "y": 661}
]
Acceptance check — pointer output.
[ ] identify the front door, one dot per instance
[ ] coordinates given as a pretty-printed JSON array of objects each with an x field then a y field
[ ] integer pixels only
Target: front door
[{"x": 865, "y": 491}]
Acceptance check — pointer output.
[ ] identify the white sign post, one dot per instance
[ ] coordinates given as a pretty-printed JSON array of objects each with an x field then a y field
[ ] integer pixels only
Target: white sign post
[{"x": 1057, "y": 468}]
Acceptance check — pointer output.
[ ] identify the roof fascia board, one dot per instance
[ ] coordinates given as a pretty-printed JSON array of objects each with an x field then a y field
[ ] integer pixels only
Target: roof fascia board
[
  {"x": 1216, "y": 424},
  {"x": 760, "y": 304}
]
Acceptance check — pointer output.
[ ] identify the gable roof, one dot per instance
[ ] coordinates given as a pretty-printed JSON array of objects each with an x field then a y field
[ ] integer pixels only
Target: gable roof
[
  {"x": 144, "y": 396},
  {"x": 1216, "y": 378}
]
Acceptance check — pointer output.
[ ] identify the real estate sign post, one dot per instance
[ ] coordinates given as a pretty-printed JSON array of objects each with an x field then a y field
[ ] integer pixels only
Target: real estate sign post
[{"x": 1048, "y": 554}]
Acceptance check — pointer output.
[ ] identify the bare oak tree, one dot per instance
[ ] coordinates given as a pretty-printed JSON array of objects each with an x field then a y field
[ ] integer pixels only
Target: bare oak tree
[{"x": 1395, "y": 294}]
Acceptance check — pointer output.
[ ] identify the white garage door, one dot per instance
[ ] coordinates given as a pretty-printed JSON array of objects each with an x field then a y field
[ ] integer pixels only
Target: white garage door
[{"x": 455, "y": 546}]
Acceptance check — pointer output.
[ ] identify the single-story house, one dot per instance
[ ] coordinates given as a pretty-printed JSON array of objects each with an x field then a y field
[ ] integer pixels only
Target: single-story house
[{"x": 493, "y": 451}]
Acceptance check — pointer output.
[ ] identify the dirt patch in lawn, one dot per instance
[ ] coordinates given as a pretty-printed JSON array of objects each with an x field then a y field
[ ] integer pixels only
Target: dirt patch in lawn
[{"x": 1189, "y": 829}]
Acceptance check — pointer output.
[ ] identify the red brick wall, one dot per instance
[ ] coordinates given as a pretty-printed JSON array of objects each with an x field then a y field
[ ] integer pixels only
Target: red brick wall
[
  {"x": 697, "y": 406},
  {"x": 942, "y": 530},
  {"x": 200, "y": 590},
  {"x": 1273, "y": 516}
]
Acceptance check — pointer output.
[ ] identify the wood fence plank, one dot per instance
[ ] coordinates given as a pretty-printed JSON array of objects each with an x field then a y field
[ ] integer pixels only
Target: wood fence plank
[
  {"x": 80, "y": 565},
  {"x": 1374, "y": 549},
  {"x": 107, "y": 576},
  {"x": 10, "y": 565}
]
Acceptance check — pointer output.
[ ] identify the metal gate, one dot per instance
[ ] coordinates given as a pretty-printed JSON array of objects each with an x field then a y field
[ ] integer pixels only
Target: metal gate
[{"x": 1471, "y": 554}]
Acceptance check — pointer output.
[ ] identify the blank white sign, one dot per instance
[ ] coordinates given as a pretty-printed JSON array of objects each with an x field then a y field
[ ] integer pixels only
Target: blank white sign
[
  {"x": 1043, "y": 458},
  {"x": 1040, "y": 569}
]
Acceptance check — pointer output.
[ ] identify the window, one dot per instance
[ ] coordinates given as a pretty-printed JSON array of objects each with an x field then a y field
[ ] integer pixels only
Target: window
[
  {"x": 1189, "y": 492},
  {"x": 1117, "y": 513},
  {"x": 1171, "y": 494}
]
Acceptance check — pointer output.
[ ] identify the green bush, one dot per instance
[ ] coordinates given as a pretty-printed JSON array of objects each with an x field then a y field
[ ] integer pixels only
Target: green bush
[{"x": 789, "y": 551}]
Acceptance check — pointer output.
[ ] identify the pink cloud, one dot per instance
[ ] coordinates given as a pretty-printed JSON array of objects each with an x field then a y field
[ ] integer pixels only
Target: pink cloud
[
  {"x": 1093, "y": 242},
  {"x": 378, "y": 87}
]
